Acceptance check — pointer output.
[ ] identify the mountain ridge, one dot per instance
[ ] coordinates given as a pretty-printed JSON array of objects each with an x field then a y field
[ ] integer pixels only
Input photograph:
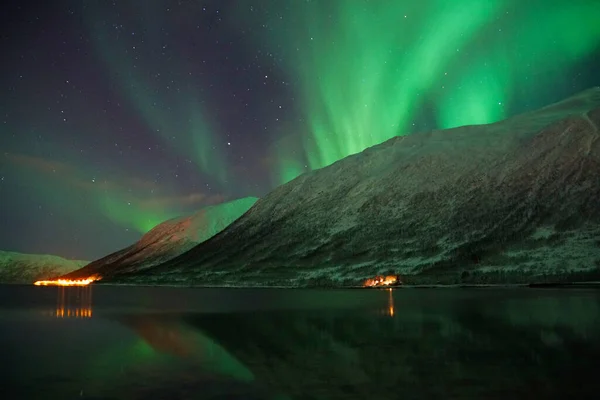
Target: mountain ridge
[
  {"x": 511, "y": 201},
  {"x": 167, "y": 240},
  {"x": 24, "y": 268}
]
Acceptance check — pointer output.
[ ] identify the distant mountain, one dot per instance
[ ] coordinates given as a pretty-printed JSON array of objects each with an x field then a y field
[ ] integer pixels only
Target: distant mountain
[
  {"x": 28, "y": 268},
  {"x": 167, "y": 240},
  {"x": 513, "y": 201}
]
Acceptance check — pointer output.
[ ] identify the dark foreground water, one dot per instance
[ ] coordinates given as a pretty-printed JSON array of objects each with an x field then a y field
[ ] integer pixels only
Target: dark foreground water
[{"x": 173, "y": 343}]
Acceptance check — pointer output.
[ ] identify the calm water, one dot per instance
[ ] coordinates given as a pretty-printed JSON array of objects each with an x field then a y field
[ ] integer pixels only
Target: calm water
[{"x": 171, "y": 343}]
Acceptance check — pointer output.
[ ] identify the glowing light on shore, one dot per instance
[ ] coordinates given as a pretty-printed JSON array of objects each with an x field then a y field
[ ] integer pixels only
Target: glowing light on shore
[
  {"x": 382, "y": 281},
  {"x": 67, "y": 282}
]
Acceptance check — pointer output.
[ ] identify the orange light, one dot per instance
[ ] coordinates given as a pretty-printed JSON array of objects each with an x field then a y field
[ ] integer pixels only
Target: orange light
[
  {"x": 382, "y": 281},
  {"x": 68, "y": 282},
  {"x": 74, "y": 302}
]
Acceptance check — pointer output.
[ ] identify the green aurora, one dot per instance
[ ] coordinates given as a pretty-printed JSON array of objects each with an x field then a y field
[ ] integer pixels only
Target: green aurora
[
  {"x": 175, "y": 116},
  {"x": 367, "y": 70},
  {"x": 117, "y": 201},
  {"x": 120, "y": 200},
  {"x": 362, "y": 72}
]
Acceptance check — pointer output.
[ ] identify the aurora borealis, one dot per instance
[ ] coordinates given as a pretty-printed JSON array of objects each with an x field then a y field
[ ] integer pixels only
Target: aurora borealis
[
  {"x": 117, "y": 116},
  {"x": 368, "y": 70}
]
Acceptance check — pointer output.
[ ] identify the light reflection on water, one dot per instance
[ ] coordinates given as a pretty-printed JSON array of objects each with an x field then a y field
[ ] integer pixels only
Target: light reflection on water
[
  {"x": 73, "y": 302},
  {"x": 299, "y": 344}
]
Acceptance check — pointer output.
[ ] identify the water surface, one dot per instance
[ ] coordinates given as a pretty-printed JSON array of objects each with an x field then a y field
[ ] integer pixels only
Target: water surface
[{"x": 106, "y": 342}]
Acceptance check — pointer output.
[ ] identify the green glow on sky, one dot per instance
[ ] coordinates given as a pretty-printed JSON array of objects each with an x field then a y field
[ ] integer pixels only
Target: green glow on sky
[
  {"x": 126, "y": 214},
  {"x": 568, "y": 31},
  {"x": 478, "y": 97},
  {"x": 288, "y": 161},
  {"x": 207, "y": 153},
  {"x": 534, "y": 43},
  {"x": 125, "y": 202},
  {"x": 367, "y": 70},
  {"x": 177, "y": 117},
  {"x": 122, "y": 200},
  {"x": 289, "y": 169},
  {"x": 363, "y": 76}
]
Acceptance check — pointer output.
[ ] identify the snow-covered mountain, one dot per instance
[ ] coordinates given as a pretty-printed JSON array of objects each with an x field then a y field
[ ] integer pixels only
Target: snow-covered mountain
[
  {"x": 167, "y": 240},
  {"x": 28, "y": 268},
  {"x": 513, "y": 201}
]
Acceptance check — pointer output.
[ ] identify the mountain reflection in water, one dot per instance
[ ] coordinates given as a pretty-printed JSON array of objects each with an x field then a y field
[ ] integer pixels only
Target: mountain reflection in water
[{"x": 379, "y": 344}]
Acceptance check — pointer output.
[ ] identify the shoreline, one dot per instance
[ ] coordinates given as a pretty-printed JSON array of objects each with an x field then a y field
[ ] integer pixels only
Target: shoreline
[{"x": 570, "y": 285}]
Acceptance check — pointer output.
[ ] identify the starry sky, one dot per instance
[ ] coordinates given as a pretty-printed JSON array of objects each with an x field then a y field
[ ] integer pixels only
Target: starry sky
[{"x": 117, "y": 115}]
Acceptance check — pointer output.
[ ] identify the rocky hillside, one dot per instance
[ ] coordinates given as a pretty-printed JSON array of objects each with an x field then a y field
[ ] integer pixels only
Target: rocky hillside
[
  {"x": 513, "y": 201},
  {"x": 167, "y": 240},
  {"x": 28, "y": 268}
]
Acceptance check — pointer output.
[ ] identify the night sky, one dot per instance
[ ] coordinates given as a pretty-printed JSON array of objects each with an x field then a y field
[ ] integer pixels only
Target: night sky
[{"x": 119, "y": 115}]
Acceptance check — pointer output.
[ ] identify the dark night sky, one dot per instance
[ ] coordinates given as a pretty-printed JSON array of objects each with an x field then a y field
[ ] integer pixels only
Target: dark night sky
[{"x": 118, "y": 115}]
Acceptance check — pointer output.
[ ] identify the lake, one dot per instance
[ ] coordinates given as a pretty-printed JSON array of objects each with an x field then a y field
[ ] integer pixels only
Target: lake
[{"x": 111, "y": 342}]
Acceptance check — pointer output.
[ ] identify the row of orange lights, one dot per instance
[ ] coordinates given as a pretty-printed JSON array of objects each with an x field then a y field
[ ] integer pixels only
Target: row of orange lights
[
  {"x": 76, "y": 313},
  {"x": 68, "y": 282}
]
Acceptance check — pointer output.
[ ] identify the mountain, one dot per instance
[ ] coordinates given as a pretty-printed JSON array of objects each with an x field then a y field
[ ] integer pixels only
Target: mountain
[
  {"x": 167, "y": 240},
  {"x": 513, "y": 201},
  {"x": 28, "y": 268}
]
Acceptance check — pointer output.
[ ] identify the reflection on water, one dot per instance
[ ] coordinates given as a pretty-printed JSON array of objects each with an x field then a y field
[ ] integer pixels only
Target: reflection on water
[
  {"x": 172, "y": 336},
  {"x": 73, "y": 302},
  {"x": 517, "y": 344},
  {"x": 387, "y": 308}
]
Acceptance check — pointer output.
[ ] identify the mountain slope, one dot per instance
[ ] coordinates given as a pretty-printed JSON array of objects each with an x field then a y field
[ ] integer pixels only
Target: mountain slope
[
  {"x": 167, "y": 240},
  {"x": 513, "y": 201},
  {"x": 28, "y": 268}
]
